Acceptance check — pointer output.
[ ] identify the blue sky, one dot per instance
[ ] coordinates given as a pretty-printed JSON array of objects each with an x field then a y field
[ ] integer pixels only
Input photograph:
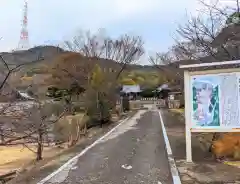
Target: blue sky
[{"x": 51, "y": 21}]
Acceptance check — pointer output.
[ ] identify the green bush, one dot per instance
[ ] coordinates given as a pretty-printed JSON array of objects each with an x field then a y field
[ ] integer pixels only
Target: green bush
[
  {"x": 100, "y": 98},
  {"x": 147, "y": 93},
  {"x": 98, "y": 109}
]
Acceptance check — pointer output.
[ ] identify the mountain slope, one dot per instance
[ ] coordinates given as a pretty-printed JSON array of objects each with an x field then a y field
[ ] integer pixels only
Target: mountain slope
[{"x": 48, "y": 54}]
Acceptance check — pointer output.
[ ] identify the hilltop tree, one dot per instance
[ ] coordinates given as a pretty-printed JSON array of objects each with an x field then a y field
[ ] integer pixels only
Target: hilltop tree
[
  {"x": 124, "y": 50},
  {"x": 104, "y": 50},
  {"x": 213, "y": 32},
  {"x": 70, "y": 73},
  {"x": 70, "y": 68},
  {"x": 127, "y": 81},
  {"x": 88, "y": 49},
  {"x": 210, "y": 36},
  {"x": 168, "y": 69}
]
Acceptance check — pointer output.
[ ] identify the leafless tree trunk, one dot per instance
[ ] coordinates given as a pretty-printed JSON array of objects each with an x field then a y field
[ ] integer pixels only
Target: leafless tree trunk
[
  {"x": 1, "y": 133},
  {"x": 39, "y": 144},
  {"x": 39, "y": 121}
]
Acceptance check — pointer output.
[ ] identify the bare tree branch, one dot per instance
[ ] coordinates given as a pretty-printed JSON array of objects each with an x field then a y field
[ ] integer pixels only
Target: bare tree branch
[
  {"x": 123, "y": 50},
  {"x": 201, "y": 39}
]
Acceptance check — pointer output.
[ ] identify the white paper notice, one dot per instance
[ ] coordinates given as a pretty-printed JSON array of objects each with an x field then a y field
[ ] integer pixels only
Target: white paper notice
[{"x": 229, "y": 100}]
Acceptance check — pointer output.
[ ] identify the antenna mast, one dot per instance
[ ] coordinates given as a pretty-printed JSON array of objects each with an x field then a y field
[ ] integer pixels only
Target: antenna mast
[{"x": 24, "y": 40}]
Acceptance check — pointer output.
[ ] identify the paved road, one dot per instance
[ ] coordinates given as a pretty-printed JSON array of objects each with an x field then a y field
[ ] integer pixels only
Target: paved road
[{"x": 133, "y": 154}]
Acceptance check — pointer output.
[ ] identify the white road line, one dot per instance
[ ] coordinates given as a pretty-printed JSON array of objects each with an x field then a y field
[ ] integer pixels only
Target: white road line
[
  {"x": 173, "y": 167},
  {"x": 81, "y": 153}
]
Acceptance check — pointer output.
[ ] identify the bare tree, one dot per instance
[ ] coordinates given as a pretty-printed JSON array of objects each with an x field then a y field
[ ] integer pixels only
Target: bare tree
[
  {"x": 112, "y": 55},
  {"x": 163, "y": 58},
  {"x": 178, "y": 54},
  {"x": 165, "y": 63},
  {"x": 210, "y": 36},
  {"x": 6, "y": 91},
  {"x": 215, "y": 37},
  {"x": 123, "y": 50},
  {"x": 30, "y": 127},
  {"x": 41, "y": 124},
  {"x": 215, "y": 34}
]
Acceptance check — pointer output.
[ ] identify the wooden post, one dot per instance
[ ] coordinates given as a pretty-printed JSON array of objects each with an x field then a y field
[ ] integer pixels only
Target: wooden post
[{"x": 187, "y": 88}]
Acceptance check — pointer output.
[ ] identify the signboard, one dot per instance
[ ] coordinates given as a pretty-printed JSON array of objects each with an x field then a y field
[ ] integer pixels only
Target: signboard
[
  {"x": 215, "y": 101},
  {"x": 212, "y": 100}
]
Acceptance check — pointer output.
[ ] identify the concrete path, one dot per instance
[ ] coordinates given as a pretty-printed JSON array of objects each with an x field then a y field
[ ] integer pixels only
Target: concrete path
[{"x": 133, "y": 153}]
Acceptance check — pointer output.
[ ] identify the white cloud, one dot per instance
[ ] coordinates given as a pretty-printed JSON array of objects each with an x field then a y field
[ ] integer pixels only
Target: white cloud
[{"x": 131, "y": 7}]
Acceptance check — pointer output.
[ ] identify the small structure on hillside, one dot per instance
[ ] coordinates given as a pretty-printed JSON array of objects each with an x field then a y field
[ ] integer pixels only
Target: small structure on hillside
[
  {"x": 162, "y": 91},
  {"x": 25, "y": 95},
  {"x": 132, "y": 91},
  {"x": 212, "y": 98},
  {"x": 171, "y": 94},
  {"x": 162, "y": 87}
]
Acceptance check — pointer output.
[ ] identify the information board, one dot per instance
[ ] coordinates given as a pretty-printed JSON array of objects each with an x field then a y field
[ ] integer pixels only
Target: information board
[{"x": 215, "y": 101}]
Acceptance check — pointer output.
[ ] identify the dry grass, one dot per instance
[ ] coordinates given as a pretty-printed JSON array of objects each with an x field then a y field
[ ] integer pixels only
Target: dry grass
[
  {"x": 178, "y": 110},
  {"x": 16, "y": 157},
  {"x": 233, "y": 163}
]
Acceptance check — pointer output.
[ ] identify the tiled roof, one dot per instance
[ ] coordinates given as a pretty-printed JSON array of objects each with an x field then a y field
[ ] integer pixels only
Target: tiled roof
[
  {"x": 163, "y": 86},
  {"x": 131, "y": 88}
]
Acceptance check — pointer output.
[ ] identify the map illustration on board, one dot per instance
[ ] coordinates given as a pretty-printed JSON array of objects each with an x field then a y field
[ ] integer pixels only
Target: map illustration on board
[{"x": 205, "y": 93}]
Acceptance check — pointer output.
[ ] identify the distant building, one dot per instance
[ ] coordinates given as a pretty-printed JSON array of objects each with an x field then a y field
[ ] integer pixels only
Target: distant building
[
  {"x": 162, "y": 87},
  {"x": 164, "y": 90},
  {"x": 131, "y": 90},
  {"x": 25, "y": 95}
]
